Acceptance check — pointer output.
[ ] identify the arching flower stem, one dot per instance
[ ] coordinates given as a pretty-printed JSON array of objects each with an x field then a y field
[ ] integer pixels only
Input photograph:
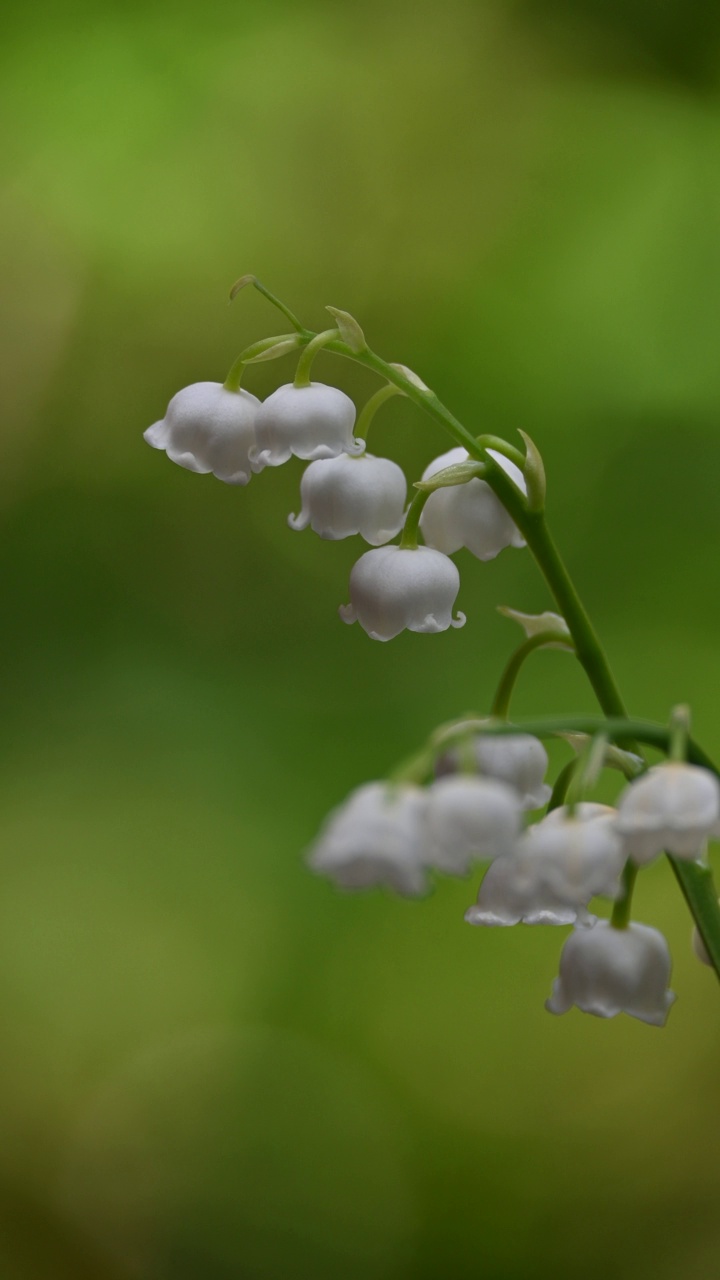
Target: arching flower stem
[
  {"x": 409, "y": 539},
  {"x": 370, "y": 409},
  {"x": 501, "y": 702},
  {"x": 620, "y": 917},
  {"x": 316, "y": 344},
  {"x": 271, "y": 298},
  {"x": 562, "y": 782}
]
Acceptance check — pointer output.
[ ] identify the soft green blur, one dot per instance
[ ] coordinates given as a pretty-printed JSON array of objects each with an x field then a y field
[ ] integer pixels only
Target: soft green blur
[{"x": 213, "y": 1066}]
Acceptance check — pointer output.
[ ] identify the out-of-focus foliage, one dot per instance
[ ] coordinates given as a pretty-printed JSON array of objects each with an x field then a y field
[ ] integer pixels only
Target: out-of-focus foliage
[{"x": 212, "y": 1065}]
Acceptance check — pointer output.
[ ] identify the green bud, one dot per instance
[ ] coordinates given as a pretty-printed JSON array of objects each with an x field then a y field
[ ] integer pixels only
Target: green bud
[{"x": 350, "y": 330}]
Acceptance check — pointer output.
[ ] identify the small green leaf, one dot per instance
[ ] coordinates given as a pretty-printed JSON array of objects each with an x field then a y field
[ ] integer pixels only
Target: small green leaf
[
  {"x": 240, "y": 284},
  {"x": 615, "y": 758},
  {"x": 350, "y": 330},
  {"x": 411, "y": 377},
  {"x": 273, "y": 353},
  {"x": 534, "y": 472},
  {"x": 535, "y": 624},
  {"x": 461, "y": 473}
]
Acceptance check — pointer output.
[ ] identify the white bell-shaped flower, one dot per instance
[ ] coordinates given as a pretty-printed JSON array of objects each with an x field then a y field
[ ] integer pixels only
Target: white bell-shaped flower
[
  {"x": 346, "y": 495},
  {"x": 209, "y": 429},
  {"x": 574, "y": 856},
  {"x": 376, "y": 837},
  {"x": 607, "y": 971},
  {"x": 586, "y": 811},
  {"x": 510, "y": 895},
  {"x": 518, "y": 759},
  {"x": 672, "y": 808},
  {"x": 469, "y": 515},
  {"x": 394, "y": 588},
  {"x": 470, "y": 818},
  {"x": 311, "y": 422},
  {"x": 554, "y": 870}
]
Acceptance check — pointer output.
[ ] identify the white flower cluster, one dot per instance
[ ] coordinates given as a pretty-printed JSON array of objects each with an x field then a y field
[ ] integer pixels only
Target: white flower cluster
[
  {"x": 345, "y": 491},
  {"x": 398, "y": 834},
  {"x": 395, "y": 834}
]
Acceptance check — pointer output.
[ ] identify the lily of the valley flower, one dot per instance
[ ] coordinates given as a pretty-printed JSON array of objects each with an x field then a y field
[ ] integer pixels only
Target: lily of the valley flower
[
  {"x": 346, "y": 495},
  {"x": 311, "y": 422},
  {"x": 574, "y": 855},
  {"x": 518, "y": 759},
  {"x": 553, "y": 871},
  {"x": 208, "y": 429},
  {"x": 376, "y": 837},
  {"x": 398, "y": 588},
  {"x": 606, "y": 971},
  {"x": 672, "y": 808},
  {"x": 469, "y": 515},
  {"x": 470, "y": 818},
  {"x": 509, "y": 895}
]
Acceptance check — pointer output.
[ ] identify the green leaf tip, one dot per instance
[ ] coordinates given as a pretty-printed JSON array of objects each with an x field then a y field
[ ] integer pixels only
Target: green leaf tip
[
  {"x": 534, "y": 472},
  {"x": 350, "y": 330},
  {"x": 240, "y": 284}
]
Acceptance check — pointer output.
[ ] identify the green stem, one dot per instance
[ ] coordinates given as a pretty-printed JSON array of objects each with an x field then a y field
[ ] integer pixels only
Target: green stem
[
  {"x": 502, "y": 446},
  {"x": 587, "y": 770},
  {"x": 501, "y": 702},
  {"x": 562, "y": 783},
  {"x": 409, "y": 539},
  {"x": 320, "y": 340},
  {"x": 370, "y": 409},
  {"x": 679, "y": 731},
  {"x": 281, "y": 307},
  {"x": 620, "y": 917}
]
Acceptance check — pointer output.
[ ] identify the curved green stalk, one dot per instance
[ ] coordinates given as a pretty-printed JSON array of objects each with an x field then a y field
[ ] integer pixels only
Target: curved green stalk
[
  {"x": 620, "y": 917},
  {"x": 316, "y": 344},
  {"x": 501, "y": 702},
  {"x": 369, "y": 410},
  {"x": 409, "y": 539}
]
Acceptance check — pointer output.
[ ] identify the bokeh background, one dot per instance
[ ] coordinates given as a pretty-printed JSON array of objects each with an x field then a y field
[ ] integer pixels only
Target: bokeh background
[{"x": 212, "y": 1065}]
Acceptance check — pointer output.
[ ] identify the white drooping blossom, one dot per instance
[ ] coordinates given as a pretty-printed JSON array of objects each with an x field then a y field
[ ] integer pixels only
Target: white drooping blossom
[
  {"x": 469, "y": 515},
  {"x": 672, "y": 808},
  {"x": 553, "y": 871},
  {"x": 398, "y": 588},
  {"x": 208, "y": 429},
  {"x": 375, "y": 837},
  {"x": 574, "y": 856},
  {"x": 509, "y": 895},
  {"x": 470, "y": 818},
  {"x": 606, "y": 971},
  {"x": 519, "y": 759},
  {"x": 311, "y": 422},
  {"x": 346, "y": 495}
]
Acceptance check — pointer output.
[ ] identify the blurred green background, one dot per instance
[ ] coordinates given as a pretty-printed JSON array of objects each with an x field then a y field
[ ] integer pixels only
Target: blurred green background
[{"x": 213, "y": 1066}]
